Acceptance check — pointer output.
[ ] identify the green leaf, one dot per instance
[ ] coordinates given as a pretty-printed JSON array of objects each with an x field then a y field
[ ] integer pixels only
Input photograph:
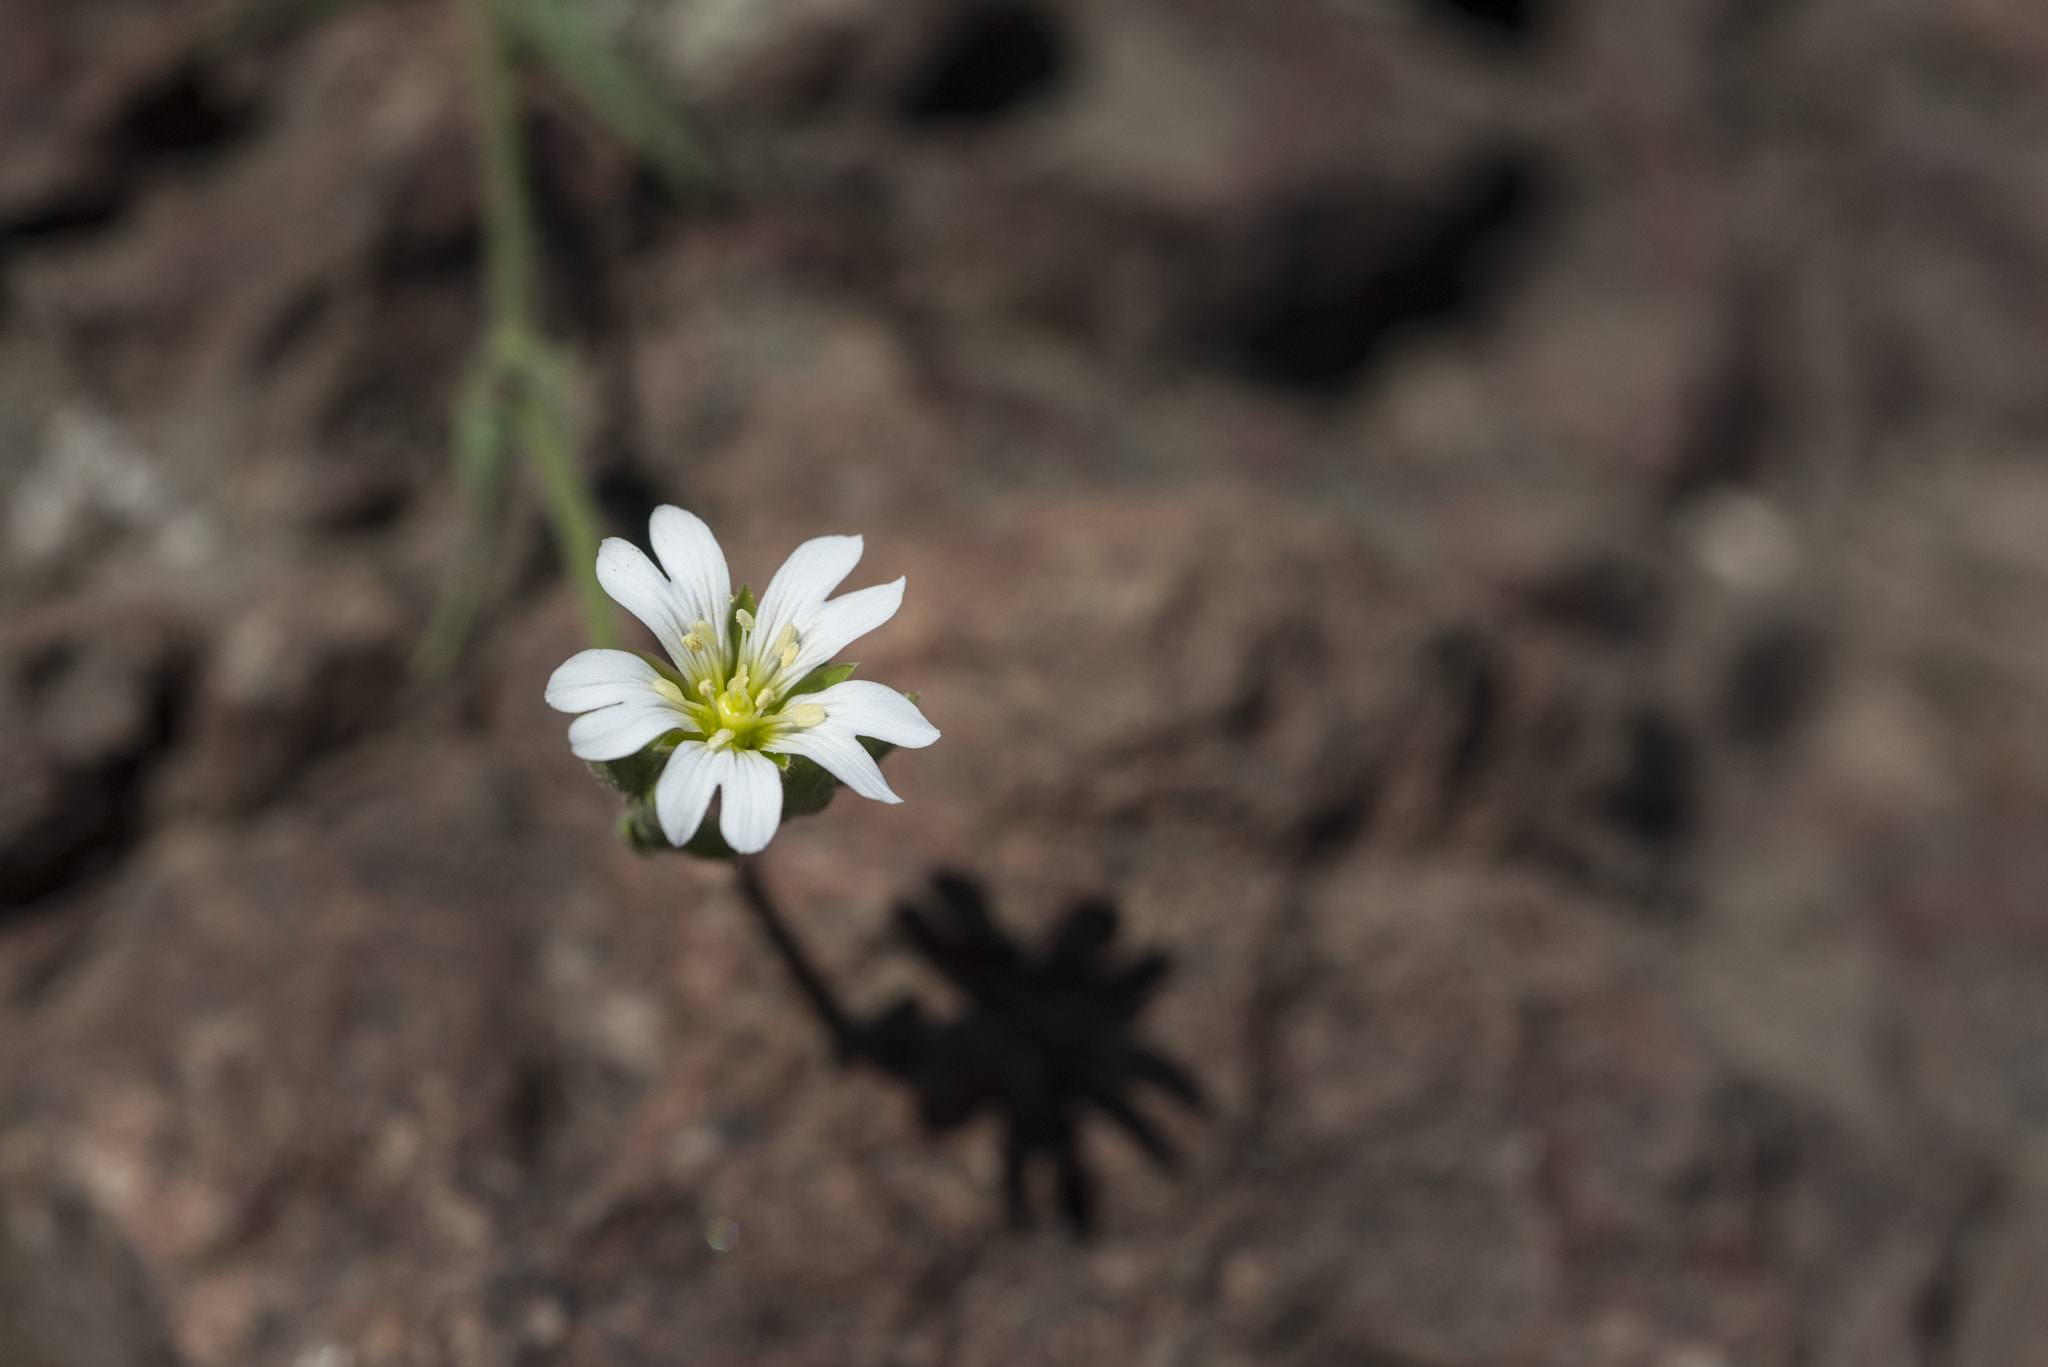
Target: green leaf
[
  {"x": 564, "y": 40},
  {"x": 822, "y": 678},
  {"x": 481, "y": 437}
]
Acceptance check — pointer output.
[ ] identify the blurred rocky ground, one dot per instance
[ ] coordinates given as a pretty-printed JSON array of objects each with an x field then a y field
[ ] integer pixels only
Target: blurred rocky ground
[{"x": 1509, "y": 537}]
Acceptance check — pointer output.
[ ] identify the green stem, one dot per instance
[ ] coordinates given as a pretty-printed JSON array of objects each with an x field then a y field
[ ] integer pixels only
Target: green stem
[
  {"x": 537, "y": 387},
  {"x": 508, "y": 211}
]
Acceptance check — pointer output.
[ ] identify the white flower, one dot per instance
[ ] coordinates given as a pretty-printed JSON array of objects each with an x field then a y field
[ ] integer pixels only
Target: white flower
[{"x": 735, "y": 690}]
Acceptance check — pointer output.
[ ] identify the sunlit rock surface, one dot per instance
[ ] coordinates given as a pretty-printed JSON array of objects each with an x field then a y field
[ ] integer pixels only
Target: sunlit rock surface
[{"x": 1506, "y": 540}]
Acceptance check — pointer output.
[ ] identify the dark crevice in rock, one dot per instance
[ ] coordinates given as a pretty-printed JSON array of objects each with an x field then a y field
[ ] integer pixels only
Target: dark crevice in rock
[
  {"x": 1467, "y": 669},
  {"x": 1515, "y": 21},
  {"x": 536, "y": 1104},
  {"x": 1774, "y": 681},
  {"x": 1339, "y": 824},
  {"x": 1938, "y": 1310},
  {"x": 77, "y": 210},
  {"x": 288, "y": 331},
  {"x": 990, "y": 61},
  {"x": 1740, "y": 418},
  {"x": 75, "y": 815},
  {"x": 188, "y": 115},
  {"x": 1330, "y": 280},
  {"x": 1655, "y": 797},
  {"x": 1622, "y": 602}
]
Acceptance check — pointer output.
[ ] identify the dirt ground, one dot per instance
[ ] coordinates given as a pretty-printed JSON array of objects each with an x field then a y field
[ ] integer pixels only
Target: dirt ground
[{"x": 1508, "y": 539}]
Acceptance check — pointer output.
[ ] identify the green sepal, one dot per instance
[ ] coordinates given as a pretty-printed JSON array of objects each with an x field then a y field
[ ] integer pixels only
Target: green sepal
[
  {"x": 635, "y": 775},
  {"x": 807, "y": 788},
  {"x": 640, "y": 832},
  {"x": 823, "y": 678},
  {"x": 707, "y": 843}
]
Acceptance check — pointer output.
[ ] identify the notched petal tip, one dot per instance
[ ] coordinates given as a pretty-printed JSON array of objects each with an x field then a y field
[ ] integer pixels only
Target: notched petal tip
[
  {"x": 812, "y": 571},
  {"x": 875, "y": 710},
  {"x": 683, "y": 792},
  {"x": 750, "y": 805},
  {"x": 836, "y": 624},
  {"x": 840, "y": 753},
  {"x": 693, "y": 560}
]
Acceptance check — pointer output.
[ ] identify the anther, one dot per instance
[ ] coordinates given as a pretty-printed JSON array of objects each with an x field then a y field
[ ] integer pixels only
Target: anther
[
  {"x": 787, "y": 640},
  {"x": 666, "y": 690},
  {"x": 719, "y": 739},
  {"x": 707, "y": 689},
  {"x": 745, "y": 618},
  {"x": 788, "y": 655},
  {"x": 806, "y": 714},
  {"x": 693, "y": 642},
  {"x": 763, "y": 698}
]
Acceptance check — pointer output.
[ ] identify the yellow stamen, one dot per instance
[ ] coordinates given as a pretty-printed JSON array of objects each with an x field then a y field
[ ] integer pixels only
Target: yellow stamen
[
  {"x": 707, "y": 689},
  {"x": 719, "y": 739},
  {"x": 693, "y": 642},
  {"x": 745, "y": 619},
  {"x": 666, "y": 690},
  {"x": 805, "y": 714}
]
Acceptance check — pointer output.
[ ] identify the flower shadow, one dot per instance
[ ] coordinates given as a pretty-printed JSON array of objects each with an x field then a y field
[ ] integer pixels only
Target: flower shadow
[{"x": 1043, "y": 1038}]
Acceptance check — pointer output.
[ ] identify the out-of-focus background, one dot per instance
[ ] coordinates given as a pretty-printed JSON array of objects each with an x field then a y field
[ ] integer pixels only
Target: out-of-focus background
[{"x": 1509, "y": 536}]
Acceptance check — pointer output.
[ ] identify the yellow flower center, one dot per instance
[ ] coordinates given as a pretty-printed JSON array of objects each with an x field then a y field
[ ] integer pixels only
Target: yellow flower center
[{"x": 737, "y": 709}]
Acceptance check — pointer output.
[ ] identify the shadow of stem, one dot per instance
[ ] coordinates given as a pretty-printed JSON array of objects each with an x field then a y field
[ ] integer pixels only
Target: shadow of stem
[{"x": 1046, "y": 1037}]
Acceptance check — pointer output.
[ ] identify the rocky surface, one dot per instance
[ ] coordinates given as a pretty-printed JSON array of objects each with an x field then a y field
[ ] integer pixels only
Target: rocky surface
[{"x": 1506, "y": 539}]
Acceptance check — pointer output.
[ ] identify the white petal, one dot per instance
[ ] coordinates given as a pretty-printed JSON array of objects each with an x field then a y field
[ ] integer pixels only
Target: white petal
[
  {"x": 812, "y": 571},
  {"x": 842, "y": 621},
  {"x": 833, "y": 745},
  {"x": 637, "y": 586},
  {"x": 695, "y": 565},
  {"x": 683, "y": 791},
  {"x": 752, "y": 806},
  {"x": 869, "y": 709},
  {"x": 598, "y": 678},
  {"x": 616, "y": 732}
]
